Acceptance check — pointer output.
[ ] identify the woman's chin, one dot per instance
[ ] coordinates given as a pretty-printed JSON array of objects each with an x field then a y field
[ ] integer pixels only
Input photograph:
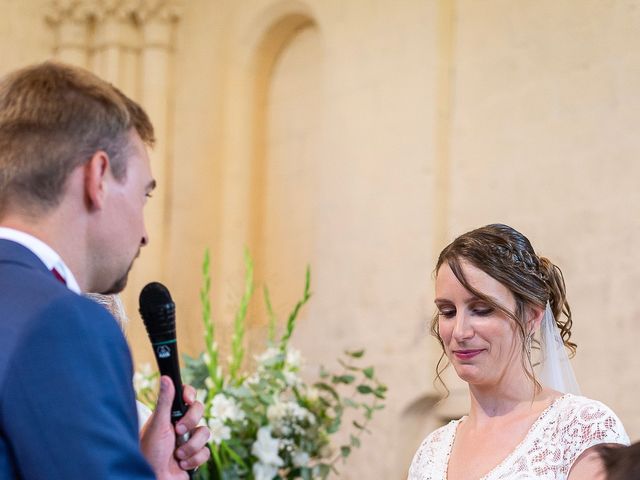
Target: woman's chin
[{"x": 468, "y": 373}]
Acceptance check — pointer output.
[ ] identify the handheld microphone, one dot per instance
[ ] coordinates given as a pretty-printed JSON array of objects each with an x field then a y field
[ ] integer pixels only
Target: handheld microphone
[{"x": 159, "y": 316}]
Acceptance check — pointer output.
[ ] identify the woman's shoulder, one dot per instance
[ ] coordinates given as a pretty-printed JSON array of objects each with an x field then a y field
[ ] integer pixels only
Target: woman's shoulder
[
  {"x": 596, "y": 422},
  {"x": 442, "y": 434},
  {"x": 586, "y": 409},
  {"x": 433, "y": 451}
]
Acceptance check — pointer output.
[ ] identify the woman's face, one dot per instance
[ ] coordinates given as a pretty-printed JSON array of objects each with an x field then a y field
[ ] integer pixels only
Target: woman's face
[{"x": 482, "y": 343}]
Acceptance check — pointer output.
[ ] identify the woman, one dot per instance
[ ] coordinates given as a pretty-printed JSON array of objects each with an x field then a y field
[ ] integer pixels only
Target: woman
[{"x": 498, "y": 303}]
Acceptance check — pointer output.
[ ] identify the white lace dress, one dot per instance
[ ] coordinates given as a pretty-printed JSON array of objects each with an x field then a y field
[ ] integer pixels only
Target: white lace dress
[{"x": 569, "y": 426}]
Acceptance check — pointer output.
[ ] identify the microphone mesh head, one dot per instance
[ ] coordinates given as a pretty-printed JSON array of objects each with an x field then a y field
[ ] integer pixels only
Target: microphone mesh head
[
  {"x": 157, "y": 309},
  {"x": 154, "y": 293}
]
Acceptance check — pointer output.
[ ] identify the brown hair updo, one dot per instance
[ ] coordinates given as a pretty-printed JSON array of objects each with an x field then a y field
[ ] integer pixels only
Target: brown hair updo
[{"x": 507, "y": 256}]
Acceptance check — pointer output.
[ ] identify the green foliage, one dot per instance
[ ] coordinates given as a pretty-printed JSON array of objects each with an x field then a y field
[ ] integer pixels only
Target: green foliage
[{"x": 268, "y": 423}]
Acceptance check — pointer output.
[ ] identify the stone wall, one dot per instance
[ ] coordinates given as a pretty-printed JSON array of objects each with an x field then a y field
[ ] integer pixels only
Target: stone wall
[{"x": 360, "y": 137}]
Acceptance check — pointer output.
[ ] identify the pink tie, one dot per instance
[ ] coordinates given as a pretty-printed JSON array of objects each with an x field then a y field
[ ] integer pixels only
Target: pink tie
[{"x": 56, "y": 274}]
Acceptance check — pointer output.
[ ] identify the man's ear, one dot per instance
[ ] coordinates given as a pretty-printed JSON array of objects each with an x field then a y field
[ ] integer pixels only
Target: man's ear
[
  {"x": 534, "y": 317},
  {"x": 96, "y": 171}
]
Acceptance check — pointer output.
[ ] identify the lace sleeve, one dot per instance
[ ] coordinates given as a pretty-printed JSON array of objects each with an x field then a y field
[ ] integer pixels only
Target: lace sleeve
[{"x": 584, "y": 423}]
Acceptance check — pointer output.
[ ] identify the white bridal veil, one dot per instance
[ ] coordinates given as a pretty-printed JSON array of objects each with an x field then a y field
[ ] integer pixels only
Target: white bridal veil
[{"x": 554, "y": 368}]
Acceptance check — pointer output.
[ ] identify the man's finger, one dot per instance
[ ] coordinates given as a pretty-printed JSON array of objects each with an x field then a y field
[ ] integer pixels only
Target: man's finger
[
  {"x": 190, "y": 419},
  {"x": 197, "y": 441},
  {"x": 165, "y": 397}
]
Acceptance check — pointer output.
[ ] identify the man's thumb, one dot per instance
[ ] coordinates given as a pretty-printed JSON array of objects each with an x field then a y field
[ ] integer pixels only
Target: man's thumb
[{"x": 165, "y": 398}]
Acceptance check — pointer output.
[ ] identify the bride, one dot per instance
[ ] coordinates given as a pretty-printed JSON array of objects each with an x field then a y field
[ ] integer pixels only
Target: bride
[{"x": 498, "y": 304}]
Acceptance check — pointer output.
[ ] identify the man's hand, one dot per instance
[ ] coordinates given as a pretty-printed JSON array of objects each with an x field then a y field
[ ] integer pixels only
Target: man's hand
[{"x": 158, "y": 436}]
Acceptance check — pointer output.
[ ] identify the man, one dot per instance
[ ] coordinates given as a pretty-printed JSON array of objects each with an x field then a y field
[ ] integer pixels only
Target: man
[
  {"x": 620, "y": 463},
  {"x": 74, "y": 178}
]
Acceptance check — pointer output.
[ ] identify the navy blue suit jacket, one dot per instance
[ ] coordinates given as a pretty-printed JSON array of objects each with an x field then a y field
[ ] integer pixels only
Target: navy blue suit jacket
[{"x": 67, "y": 407}]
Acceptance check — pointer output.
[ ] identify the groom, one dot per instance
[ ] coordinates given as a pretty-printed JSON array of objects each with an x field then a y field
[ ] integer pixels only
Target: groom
[{"x": 74, "y": 179}]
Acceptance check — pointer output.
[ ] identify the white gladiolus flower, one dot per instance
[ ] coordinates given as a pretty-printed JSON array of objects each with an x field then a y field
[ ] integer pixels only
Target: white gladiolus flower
[
  {"x": 291, "y": 379},
  {"x": 225, "y": 408},
  {"x": 268, "y": 355},
  {"x": 218, "y": 431},
  {"x": 300, "y": 413},
  {"x": 294, "y": 358},
  {"x": 141, "y": 380},
  {"x": 283, "y": 412},
  {"x": 208, "y": 383},
  {"x": 264, "y": 472},
  {"x": 206, "y": 358},
  {"x": 276, "y": 412},
  {"x": 300, "y": 459},
  {"x": 266, "y": 448},
  {"x": 313, "y": 394}
]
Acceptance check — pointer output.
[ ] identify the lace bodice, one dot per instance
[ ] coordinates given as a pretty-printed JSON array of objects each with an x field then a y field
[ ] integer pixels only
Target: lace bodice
[{"x": 569, "y": 426}]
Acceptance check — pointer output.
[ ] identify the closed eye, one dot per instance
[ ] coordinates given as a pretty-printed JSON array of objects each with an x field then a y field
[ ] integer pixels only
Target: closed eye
[
  {"x": 482, "y": 312},
  {"x": 447, "y": 313}
]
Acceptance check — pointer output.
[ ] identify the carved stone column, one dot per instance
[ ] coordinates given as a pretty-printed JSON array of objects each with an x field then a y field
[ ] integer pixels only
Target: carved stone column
[
  {"x": 115, "y": 45},
  {"x": 157, "y": 21},
  {"x": 71, "y": 22}
]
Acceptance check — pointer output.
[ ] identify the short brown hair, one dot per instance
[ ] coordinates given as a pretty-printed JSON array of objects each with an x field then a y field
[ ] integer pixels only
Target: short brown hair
[
  {"x": 621, "y": 463},
  {"x": 54, "y": 117}
]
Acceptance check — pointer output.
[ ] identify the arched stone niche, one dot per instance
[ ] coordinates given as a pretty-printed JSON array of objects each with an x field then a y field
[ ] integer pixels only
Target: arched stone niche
[{"x": 268, "y": 171}]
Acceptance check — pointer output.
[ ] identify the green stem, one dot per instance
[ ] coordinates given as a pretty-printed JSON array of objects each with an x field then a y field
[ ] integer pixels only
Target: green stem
[
  {"x": 209, "y": 329},
  {"x": 271, "y": 315},
  {"x": 291, "y": 322},
  {"x": 237, "y": 347}
]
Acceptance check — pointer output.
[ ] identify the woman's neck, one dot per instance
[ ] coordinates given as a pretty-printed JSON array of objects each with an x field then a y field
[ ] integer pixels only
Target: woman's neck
[{"x": 507, "y": 398}]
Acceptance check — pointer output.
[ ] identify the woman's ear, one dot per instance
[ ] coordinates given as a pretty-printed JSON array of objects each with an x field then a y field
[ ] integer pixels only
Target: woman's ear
[{"x": 534, "y": 317}]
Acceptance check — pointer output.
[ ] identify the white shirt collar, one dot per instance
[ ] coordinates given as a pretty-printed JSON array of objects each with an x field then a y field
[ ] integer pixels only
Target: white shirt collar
[{"x": 44, "y": 252}]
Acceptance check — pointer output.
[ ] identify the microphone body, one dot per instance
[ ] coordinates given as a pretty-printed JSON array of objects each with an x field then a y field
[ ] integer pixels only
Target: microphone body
[
  {"x": 158, "y": 313},
  {"x": 165, "y": 349}
]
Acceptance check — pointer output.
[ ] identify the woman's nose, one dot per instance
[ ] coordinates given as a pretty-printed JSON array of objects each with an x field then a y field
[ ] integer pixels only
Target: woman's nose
[{"x": 462, "y": 329}]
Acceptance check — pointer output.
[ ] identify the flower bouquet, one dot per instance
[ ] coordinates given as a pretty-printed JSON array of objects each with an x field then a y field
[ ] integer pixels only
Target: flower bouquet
[{"x": 267, "y": 422}]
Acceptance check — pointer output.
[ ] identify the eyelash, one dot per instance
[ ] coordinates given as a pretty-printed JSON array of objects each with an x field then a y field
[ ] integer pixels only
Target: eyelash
[
  {"x": 480, "y": 312},
  {"x": 148, "y": 195}
]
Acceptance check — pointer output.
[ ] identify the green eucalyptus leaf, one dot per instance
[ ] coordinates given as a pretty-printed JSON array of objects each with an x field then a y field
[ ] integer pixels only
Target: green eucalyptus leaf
[
  {"x": 347, "y": 379},
  {"x": 355, "y": 353},
  {"x": 364, "y": 389},
  {"x": 346, "y": 366},
  {"x": 350, "y": 403},
  {"x": 327, "y": 388}
]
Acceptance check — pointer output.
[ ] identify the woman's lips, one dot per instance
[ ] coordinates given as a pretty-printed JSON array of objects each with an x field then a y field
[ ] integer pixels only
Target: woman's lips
[{"x": 467, "y": 354}]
